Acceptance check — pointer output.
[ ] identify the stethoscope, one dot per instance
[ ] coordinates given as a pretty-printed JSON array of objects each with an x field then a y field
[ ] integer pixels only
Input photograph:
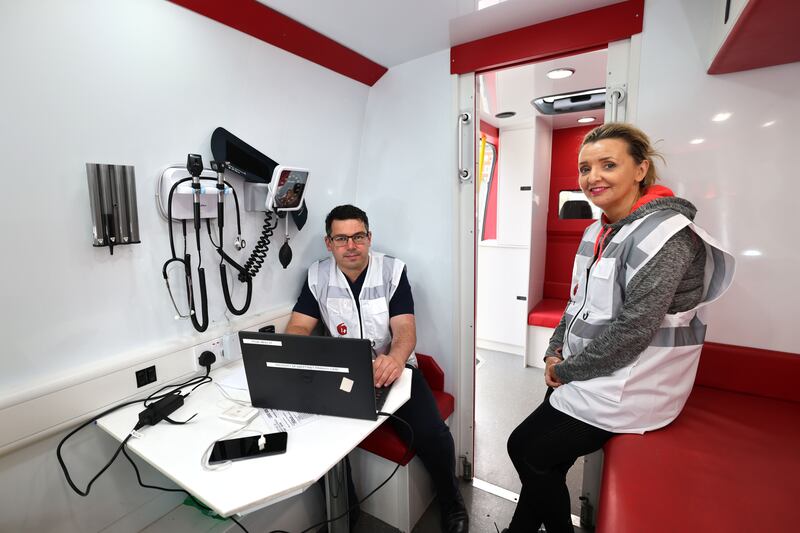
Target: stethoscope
[{"x": 194, "y": 165}]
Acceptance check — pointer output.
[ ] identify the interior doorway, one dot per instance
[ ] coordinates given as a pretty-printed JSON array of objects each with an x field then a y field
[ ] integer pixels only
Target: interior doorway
[{"x": 521, "y": 150}]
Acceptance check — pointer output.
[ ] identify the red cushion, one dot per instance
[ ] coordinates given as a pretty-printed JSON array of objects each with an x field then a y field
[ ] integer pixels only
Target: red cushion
[
  {"x": 727, "y": 463},
  {"x": 750, "y": 370},
  {"x": 386, "y": 443},
  {"x": 547, "y": 313},
  {"x": 431, "y": 370}
]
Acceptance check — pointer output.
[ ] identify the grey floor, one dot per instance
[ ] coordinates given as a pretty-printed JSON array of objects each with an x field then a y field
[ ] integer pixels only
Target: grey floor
[{"x": 506, "y": 393}]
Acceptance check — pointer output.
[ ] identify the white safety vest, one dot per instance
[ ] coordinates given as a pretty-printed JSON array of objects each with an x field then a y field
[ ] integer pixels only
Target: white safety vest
[
  {"x": 651, "y": 391},
  {"x": 338, "y": 306}
]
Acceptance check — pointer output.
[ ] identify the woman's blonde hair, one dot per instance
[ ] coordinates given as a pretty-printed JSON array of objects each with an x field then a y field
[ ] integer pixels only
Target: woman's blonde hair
[{"x": 639, "y": 146}]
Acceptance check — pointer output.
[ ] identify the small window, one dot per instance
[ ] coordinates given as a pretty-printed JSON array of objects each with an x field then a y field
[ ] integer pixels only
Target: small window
[{"x": 574, "y": 205}]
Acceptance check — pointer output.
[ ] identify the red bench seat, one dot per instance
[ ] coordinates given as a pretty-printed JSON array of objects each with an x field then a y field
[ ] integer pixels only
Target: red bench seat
[
  {"x": 385, "y": 442},
  {"x": 729, "y": 462},
  {"x": 547, "y": 313}
]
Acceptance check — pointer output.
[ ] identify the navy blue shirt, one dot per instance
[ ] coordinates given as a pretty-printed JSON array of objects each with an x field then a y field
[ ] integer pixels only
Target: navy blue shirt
[{"x": 401, "y": 303}]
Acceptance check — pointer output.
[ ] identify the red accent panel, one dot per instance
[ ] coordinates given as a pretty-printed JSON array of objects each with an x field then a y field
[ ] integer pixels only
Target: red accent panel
[
  {"x": 579, "y": 32},
  {"x": 765, "y": 34},
  {"x": 547, "y": 313},
  {"x": 490, "y": 216},
  {"x": 727, "y": 463},
  {"x": 270, "y": 26},
  {"x": 563, "y": 236},
  {"x": 490, "y": 130},
  {"x": 750, "y": 370}
]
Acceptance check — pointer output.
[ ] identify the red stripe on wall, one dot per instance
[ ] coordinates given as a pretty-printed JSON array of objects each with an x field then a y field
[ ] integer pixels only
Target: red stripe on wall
[
  {"x": 270, "y": 26},
  {"x": 579, "y": 32}
]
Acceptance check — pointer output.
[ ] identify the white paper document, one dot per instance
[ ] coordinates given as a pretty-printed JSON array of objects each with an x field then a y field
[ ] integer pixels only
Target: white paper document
[{"x": 285, "y": 420}]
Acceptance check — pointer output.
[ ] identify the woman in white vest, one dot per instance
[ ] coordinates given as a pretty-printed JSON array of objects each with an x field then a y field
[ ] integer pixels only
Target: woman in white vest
[{"x": 624, "y": 356}]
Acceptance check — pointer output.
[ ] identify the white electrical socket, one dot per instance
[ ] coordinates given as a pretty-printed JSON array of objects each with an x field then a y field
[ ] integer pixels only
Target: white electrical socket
[
  {"x": 231, "y": 349},
  {"x": 214, "y": 345}
]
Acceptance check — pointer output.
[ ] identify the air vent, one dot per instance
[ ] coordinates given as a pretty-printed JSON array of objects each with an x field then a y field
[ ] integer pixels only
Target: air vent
[{"x": 558, "y": 104}]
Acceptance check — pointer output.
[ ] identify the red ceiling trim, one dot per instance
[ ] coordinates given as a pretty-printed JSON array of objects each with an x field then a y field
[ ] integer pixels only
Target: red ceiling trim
[
  {"x": 575, "y": 33},
  {"x": 270, "y": 26},
  {"x": 765, "y": 34}
]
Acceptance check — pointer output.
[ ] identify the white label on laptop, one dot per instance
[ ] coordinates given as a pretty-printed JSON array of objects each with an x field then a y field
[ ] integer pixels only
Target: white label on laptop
[
  {"x": 347, "y": 384},
  {"x": 318, "y": 368},
  {"x": 262, "y": 342}
]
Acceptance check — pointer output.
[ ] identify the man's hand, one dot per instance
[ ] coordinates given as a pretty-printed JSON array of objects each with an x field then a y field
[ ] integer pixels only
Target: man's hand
[
  {"x": 386, "y": 370},
  {"x": 550, "y": 377}
]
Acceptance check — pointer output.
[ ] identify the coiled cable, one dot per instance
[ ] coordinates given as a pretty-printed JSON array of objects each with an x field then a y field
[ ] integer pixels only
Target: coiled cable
[{"x": 259, "y": 254}]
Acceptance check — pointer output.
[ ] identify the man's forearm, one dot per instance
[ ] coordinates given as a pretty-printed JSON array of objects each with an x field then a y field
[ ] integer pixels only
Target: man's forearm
[{"x": 294, "y": 329}]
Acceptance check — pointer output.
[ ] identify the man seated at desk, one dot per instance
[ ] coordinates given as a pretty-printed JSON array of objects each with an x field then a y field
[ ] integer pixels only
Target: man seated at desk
[{"x": 383, "y": 312}]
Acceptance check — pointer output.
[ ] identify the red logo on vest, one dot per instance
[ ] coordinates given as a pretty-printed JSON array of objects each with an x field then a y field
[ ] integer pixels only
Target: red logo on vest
[{"x": 342, "y": 329}]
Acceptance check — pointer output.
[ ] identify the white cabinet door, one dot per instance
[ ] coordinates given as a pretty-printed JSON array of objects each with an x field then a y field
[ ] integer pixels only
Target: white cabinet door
[{"x": 501, "y": 305}]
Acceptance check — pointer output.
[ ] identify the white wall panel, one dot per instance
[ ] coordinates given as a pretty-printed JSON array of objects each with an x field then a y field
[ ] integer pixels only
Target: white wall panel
[
  {"x": 406, "y": 184},
  {"x": 742, "y": 178},
  {"x": 142, "y": 83},
  {"x": 514, "y": 170}
]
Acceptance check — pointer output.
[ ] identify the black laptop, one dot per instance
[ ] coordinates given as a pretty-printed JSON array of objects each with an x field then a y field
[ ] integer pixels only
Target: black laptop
[{"x": 320, "y": 375}]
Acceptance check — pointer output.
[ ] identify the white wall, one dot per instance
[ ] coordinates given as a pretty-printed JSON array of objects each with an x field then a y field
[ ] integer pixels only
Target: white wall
[
  {"x": 742, "y": 178},
  {"x": 140, "y": 82},
  {"x": 406, "y": 184}
]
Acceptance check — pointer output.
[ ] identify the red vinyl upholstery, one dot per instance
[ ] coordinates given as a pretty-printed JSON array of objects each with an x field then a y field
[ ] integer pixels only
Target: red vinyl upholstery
[
  {"x": 385, "y": 442},
  {"x": 547, "y": 313},
  {"x": 729, "y": 462}
]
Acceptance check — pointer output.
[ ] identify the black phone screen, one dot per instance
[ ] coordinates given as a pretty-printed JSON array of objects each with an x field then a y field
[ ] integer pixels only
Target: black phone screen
[{"x": 245, "y": 447}]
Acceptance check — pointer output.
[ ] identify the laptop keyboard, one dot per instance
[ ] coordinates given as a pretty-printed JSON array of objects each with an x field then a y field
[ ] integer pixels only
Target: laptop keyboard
[{"x": 381, "y": 393}]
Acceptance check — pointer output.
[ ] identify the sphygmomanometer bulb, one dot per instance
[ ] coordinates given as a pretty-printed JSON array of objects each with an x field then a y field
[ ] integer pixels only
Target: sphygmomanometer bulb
[{"x": 285, "y": 254}]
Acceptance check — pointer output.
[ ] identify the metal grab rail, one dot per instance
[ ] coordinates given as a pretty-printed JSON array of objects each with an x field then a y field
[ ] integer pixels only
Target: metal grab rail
[{"x": 463, "y": 173}]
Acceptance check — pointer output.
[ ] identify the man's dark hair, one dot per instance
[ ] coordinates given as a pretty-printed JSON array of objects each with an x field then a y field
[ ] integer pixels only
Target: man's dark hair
[{"x": 345, "y": 212}]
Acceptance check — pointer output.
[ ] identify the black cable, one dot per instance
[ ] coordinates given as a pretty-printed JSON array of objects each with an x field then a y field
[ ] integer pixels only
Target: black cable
[
  {"x": 92, "y": 420},
  {"x": 409, "y": 449},
  {"x": 259, "y": 253},
  {"x": 166, "y": 489}
]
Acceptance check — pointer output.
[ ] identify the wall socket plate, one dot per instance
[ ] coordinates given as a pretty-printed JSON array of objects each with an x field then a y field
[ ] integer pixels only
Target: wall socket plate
[{"x": 214, "y": 345}]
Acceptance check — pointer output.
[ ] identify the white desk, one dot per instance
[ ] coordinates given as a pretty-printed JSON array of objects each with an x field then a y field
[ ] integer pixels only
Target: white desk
[{"x": 247, "y": 485}]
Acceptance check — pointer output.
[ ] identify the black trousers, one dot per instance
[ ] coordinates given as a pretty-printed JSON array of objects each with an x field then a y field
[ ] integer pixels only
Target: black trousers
[
  {"x": 433, "y": 442},
  {"x": 543, "y": 448}
]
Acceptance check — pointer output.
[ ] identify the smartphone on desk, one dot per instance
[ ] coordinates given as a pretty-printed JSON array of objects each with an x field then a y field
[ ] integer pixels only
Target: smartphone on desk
[{"x": 247, "y": 447}]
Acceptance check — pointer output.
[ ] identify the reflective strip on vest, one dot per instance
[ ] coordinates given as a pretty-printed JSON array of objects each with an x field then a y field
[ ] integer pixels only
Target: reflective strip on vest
[
  {"x": 651, "y": 391},
  {"x": 338, "y": 307}
]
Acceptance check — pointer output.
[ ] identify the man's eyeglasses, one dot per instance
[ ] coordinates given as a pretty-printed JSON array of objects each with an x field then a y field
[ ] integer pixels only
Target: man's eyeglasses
[{"x": 341, "y": 240}]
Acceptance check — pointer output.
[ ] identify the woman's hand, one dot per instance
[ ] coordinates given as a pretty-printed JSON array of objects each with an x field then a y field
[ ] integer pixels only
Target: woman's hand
[{"x": 550, "y": 377}]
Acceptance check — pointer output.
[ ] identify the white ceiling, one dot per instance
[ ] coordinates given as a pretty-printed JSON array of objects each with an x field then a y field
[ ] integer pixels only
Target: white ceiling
[
  {"x": 513, "y": 89},
  {"x": 393, "y": 32}
]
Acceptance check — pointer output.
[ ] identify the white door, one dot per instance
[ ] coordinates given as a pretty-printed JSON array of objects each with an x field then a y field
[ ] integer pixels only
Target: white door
[{"x": 464, "y": 121}]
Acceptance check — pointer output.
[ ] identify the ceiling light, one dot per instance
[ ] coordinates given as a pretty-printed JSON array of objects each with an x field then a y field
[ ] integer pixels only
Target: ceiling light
[
  {"x": 560, "y": 73},
  {"x": 752, "y": 253},
  {"x": 721, "y": 117},
  {"x": 506, "y": 114},
  {"x": 768, "y": 124},
  {"x": 697, "y": 141},
  {"x": 586, "y": 120}
]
